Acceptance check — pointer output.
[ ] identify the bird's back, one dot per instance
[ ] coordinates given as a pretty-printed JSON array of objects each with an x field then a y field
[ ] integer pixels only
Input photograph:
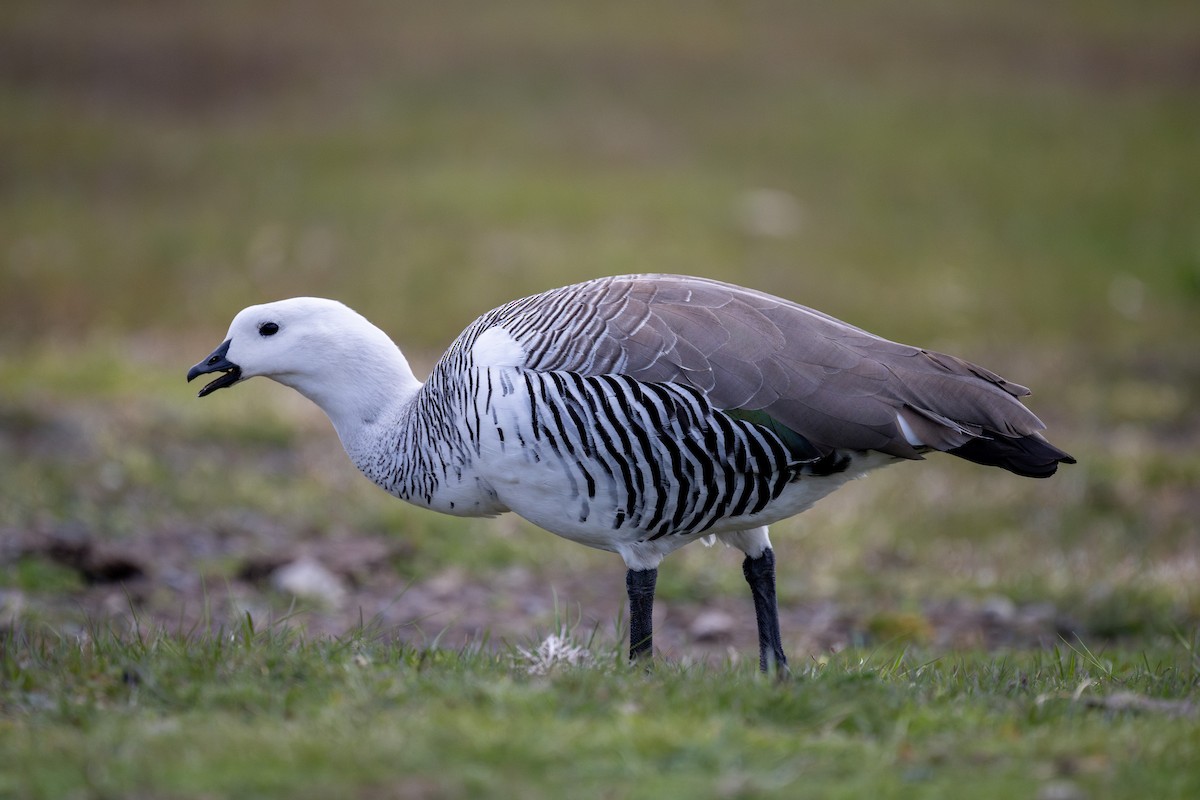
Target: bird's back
[{"x": 828, "y": 384}]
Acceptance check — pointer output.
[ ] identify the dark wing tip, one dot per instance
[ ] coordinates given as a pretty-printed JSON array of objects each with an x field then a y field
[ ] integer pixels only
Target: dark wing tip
[{"x": 1028, "y": 456}]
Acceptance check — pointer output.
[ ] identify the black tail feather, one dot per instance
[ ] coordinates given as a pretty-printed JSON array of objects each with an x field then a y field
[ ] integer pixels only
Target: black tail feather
[{"x": 1030, "y": 456}]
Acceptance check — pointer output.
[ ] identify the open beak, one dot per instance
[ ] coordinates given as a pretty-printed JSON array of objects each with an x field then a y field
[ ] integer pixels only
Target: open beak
[{"x": 217, "y": 362}]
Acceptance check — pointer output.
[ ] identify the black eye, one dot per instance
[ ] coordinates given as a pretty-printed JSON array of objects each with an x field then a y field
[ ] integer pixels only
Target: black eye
[{"x": 268, "y": 329}]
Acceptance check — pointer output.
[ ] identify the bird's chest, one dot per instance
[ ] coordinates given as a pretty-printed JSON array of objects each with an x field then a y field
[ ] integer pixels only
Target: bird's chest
[{"x": 435, "y": 469}]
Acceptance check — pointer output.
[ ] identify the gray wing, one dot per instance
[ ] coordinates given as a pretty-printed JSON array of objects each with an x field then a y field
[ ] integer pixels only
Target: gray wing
[{"x": 835, "y": 384}]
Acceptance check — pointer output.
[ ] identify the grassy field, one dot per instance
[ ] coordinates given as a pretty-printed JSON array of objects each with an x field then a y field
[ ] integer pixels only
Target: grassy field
[
  {"x": 1017, "y": 185},
  {"x": 257, "y": 713}
]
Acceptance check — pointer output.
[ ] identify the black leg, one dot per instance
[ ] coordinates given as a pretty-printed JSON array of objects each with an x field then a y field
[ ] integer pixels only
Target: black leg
[
  {"x": 640, "y": 584},
  {"x": 760, "y": 574}
]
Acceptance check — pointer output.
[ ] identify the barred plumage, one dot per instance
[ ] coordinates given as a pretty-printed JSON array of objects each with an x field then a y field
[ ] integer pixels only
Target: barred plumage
[
  {"x": 656, "y": 459},
  {"x": 637, "y": 414}
]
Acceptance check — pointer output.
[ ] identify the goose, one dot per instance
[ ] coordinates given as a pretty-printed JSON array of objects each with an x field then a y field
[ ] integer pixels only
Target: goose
[{"x": 637, "y": 414}]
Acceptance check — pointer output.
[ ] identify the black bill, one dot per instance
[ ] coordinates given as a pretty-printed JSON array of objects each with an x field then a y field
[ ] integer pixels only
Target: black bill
[{"x": 217, "y": 362}]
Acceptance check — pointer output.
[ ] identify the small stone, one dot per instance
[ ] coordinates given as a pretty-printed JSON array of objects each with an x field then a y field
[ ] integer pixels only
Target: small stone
[
  {"x": 712, "y": 625},
  {"x": 999, "y": 609},
  {"x": 309, "y": 579}
]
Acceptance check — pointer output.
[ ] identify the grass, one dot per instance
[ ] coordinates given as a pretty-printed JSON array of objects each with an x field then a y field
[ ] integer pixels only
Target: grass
[
  {"x": 1017, "y": 185},
  {"x": 258, "y": 713}
]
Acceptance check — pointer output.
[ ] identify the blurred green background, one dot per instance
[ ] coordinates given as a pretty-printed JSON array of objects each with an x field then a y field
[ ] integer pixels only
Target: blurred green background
[
  {"x": 1025, "y": 173},
  {"x": 1017, "y": 183}
]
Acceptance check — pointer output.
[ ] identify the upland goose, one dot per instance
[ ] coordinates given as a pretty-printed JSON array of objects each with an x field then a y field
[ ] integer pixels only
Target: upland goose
[{"x": 637, "y": 414}]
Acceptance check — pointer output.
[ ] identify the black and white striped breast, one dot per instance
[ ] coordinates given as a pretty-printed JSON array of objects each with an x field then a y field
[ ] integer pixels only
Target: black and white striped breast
[{"x": 656, "y": 458}]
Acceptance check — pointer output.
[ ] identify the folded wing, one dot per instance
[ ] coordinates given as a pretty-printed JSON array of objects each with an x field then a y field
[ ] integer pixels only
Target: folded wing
[{"x": 836, "y": 385}]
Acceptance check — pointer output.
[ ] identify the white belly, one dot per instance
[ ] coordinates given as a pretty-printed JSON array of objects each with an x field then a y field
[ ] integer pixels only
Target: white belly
[{"x": 542, "y": 488}]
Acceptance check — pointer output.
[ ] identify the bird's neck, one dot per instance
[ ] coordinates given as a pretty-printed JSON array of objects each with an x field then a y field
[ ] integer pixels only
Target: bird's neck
[{"x": 367, "y": 387}]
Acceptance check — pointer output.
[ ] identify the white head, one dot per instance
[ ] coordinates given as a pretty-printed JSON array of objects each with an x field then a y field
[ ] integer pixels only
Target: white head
[{"x": 321, "y": 348}]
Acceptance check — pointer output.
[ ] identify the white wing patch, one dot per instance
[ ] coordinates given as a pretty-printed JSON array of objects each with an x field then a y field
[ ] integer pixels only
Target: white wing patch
[
  {"x": 909, "y": 435},
  {"x": 496, "y": 347}
]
